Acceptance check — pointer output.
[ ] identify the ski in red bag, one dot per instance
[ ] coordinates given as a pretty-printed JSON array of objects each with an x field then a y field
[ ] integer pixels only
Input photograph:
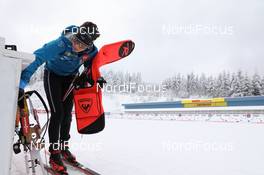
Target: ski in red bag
[{"x": 88, "y": 101}]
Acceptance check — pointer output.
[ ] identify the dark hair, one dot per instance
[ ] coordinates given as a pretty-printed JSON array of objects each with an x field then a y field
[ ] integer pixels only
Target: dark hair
[{"x": 88, "y": 32}]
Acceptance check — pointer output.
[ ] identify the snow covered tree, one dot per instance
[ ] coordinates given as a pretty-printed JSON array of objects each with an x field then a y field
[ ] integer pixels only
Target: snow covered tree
[
  {"x": 256, "y": 85},
  {"x": 262, "y": 86},
  {"x": 191, "y": 84},
  {"x": 226, "y": 85},
  {"x": 237, "y": 83},
  {"x": 246, "y": 86},
  {"x": 210, "y": 87},
  {"x": 202, "y": 85}
]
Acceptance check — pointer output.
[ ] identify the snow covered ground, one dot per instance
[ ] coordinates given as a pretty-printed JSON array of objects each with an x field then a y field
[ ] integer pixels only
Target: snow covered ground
[
  {"x": 169, "y": 147},
  {"x": 155, "y": 147}
]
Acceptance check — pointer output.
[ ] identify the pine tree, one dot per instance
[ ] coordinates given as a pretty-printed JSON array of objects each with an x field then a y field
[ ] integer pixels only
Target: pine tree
[
  {"x": 237, "y": 83},
  {"x": 210, "y": 87},
  {"x": 262, "y": 86},
  {"x": 191, "y": 84},
  {"x": 226, "y": 85},
  {"x": 256, "y": 85},
  {"x": 246, "y": 86},
  {"x": 202, "y": 85}
]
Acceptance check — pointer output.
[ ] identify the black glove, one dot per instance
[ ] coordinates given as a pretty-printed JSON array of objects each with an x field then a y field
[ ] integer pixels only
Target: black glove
[
  {"x": 81, "y": 81},
  {"x": 81, "y": 78},
  {"x": 21, "y": 96},
  {"x": 101, "y": 81}
]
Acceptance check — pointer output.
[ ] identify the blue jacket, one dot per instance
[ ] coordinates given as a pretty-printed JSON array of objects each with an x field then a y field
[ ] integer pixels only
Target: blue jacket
[{"x": 59, "y": 58}]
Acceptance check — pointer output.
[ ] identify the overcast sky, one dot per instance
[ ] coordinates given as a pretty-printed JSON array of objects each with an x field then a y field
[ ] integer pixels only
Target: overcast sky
[{"x": 172, "y": 36}]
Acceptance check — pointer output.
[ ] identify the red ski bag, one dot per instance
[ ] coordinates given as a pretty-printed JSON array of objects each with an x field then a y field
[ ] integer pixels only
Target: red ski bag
[{"x": 88, "y": 101}]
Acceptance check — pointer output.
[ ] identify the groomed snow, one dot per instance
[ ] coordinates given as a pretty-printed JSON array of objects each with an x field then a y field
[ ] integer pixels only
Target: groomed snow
[
  {"x": 170, "y": 147},
  {"x": 155, "y": 147}
]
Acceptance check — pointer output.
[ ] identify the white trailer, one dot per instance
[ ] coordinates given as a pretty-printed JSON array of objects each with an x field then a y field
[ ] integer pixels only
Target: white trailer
[{"x": 11, "y": 64}]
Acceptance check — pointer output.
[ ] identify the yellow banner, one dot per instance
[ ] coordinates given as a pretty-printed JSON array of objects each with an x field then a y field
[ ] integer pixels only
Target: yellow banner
[
  {"x": 197, "y": 105},
  {"x": 213, "y": 102}
]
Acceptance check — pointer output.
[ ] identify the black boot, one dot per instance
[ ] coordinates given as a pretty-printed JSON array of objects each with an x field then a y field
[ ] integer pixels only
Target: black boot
[
  {"x": 56, "y": 162},
  {"x": 66, "y": 154}
]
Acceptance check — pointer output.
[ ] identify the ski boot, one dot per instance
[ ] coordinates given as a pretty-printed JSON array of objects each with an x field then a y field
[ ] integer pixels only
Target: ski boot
[
  {"x": 56, "y": 163},
  {"x": 68, "y": 156}
]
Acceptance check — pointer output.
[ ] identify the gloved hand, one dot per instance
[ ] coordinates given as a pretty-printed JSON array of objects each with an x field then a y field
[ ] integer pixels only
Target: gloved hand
[
  {"x": 101, "y": 81},
  {"x": 21, "y": 96},
  {"x": 82, "y": 80},
  {"x": 21, "y": 93}
]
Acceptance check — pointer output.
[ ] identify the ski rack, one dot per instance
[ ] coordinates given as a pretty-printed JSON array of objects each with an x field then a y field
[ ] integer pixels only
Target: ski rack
[
  {"x": 34, "y": 161},
  {"x": 36, "y": 133},
  {"x": 35, "y": 157}
]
